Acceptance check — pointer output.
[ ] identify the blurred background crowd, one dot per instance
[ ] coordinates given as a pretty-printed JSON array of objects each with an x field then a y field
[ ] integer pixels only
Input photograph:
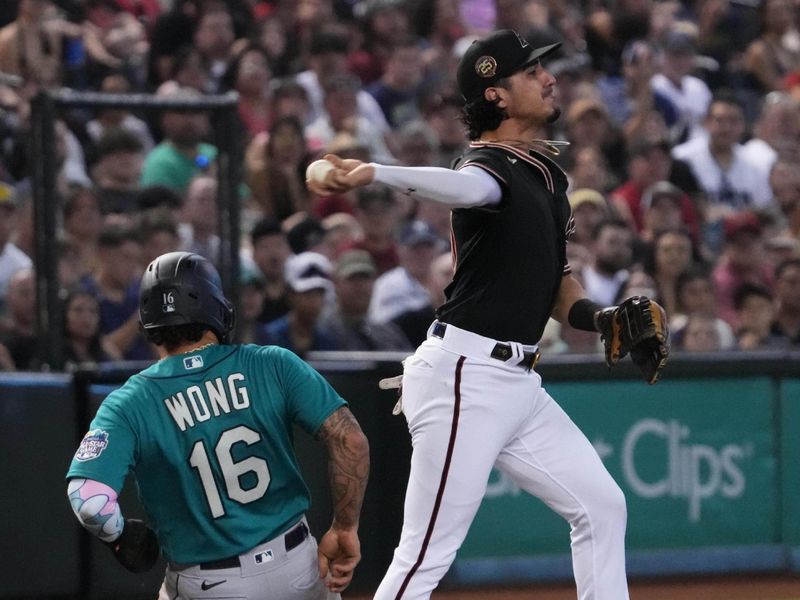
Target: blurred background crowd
[{"x": 684, "y": 162}]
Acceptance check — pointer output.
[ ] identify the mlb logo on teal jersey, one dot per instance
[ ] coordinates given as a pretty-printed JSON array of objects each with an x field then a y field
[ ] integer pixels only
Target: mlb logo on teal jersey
[
  {"x": 193, "y": 362},
  {"x": 92, "y": 445}
]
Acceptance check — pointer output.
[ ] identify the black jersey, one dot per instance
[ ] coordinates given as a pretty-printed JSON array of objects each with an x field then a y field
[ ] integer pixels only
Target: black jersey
[{"x": 510, "y": 257}]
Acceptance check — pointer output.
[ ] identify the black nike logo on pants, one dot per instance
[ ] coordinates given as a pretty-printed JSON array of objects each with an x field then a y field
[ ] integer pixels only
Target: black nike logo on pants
[{"x": 207, "y": 586}]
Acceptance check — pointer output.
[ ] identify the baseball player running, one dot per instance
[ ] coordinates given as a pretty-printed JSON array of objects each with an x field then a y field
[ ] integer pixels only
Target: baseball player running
[
  {"x": 470, "y": 395},
  {"x": 207, "y": 431}
]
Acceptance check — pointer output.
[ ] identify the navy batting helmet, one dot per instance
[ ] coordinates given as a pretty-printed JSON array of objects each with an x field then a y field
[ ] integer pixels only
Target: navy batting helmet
[{"x": 182, "y": 288}]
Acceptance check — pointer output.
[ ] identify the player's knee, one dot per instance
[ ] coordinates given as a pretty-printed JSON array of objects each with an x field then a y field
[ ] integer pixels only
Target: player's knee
[
  {"x": 606, "y": 520},
  {"x": 616, "y": 505},
  {"x": 611, "y": 504},
  {"x": 606, "y": 504}
]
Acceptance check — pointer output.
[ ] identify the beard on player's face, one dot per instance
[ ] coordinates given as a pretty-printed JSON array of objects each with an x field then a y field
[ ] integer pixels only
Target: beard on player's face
[{"x": 554, "y": 115}]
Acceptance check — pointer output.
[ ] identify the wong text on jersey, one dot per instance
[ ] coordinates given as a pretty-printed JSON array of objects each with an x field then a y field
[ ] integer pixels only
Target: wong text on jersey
[{"x": 199, "y": 403}]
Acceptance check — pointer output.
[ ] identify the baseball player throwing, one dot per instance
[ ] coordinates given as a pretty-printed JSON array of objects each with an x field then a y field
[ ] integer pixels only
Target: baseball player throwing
[
  {"x": 207, "y": 431},
  {"x": 470, "y": 395}
]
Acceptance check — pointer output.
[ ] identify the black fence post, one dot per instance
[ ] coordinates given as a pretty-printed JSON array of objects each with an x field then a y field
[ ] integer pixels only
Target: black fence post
[
  {"x": 46, "y": 205},
  {"x": 81, "y": 380},
  {"x": 45, "y": 209},
  {"x": 226, "y": 125}
]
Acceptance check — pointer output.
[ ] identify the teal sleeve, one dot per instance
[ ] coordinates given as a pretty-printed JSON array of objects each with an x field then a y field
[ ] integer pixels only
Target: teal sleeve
[
  {"x": 310, "y": 398},
  {"x": 107, "y": 451}
]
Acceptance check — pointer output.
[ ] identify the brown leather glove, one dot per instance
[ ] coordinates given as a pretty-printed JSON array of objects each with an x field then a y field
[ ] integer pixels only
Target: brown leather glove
[{"x": 637, "y": 326}]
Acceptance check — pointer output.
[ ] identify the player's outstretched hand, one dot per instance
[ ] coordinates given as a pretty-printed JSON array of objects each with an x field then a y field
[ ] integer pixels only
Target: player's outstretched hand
[
  {"x": 348, "y": 173},
  {"x": 339, "y": 552}
]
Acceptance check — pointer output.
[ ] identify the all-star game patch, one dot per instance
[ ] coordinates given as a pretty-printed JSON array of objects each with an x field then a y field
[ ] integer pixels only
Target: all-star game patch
[{"x": 92, "y": 445}]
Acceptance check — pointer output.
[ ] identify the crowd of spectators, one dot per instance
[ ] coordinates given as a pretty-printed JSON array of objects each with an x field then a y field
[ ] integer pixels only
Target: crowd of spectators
[{"x": 683, "y": 120}]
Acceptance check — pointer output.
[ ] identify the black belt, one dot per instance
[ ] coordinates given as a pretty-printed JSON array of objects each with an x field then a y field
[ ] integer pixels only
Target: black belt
[
  {"x": 291, "y": 540},
  {"x": 500, "y": 351}
]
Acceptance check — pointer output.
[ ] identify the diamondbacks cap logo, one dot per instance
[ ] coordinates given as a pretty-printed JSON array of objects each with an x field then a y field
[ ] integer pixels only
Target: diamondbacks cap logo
[
  {"x": 92, "y": 445},
  {"x": 486, "y": 66},
  {"x": 193, "y": 362},
  {"x": 522, "y": 42}
]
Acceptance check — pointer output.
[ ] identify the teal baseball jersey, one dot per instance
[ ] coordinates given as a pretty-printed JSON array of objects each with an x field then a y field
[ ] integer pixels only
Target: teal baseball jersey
[{"x": 208, "y": 436}]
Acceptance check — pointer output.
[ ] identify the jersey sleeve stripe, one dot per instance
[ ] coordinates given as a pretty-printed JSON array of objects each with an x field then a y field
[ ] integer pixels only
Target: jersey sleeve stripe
[{"x": 570, "y": 226}]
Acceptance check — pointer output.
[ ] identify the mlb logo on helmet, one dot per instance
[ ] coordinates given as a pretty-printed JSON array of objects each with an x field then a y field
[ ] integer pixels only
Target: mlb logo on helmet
[
  {"x": 193, "y": 362},
  {"x": 168, "y": 302},
  {"x": 93, "y": 443}
]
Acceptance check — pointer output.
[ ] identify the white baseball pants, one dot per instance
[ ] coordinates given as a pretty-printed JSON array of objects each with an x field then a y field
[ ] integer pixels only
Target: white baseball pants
[{"x": 467, "y": 413}]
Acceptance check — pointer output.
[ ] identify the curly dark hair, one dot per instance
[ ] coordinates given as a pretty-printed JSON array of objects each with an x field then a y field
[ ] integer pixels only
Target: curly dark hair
[
  {"x": 174, "y": 336},
  {"x": 480, "y": 115}
]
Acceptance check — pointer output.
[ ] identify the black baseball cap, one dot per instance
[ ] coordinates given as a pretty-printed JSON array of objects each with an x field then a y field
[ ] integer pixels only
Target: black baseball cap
[{"x": 492, "y": 58}]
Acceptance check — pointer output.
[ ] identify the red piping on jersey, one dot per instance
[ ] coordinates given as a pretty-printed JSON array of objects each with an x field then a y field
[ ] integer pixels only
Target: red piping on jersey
[
  {"x": 453, "y": 247},
  {"x": 438, "y": 502},
  {"x": 548, "y": 177}
]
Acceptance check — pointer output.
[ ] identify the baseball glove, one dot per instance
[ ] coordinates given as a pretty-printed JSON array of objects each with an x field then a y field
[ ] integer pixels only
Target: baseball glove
[
  {"x": 637, "y": 326},
  {"x": 137, "y": 548}
]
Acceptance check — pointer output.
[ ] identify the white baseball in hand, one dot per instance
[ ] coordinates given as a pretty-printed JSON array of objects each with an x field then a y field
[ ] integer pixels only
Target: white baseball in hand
[{"x": 318, "y": 170}]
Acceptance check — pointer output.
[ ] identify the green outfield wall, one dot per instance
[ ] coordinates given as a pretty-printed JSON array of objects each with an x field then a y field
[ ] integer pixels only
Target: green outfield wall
[
  {"x": 709, "y": 460},
  {"x": 700, "y": 463},
  {"x": 789, "y": 433}
]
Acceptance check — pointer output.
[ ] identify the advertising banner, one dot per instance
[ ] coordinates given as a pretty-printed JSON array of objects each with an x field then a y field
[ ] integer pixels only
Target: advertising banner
[{"x": 696, "y": 459}]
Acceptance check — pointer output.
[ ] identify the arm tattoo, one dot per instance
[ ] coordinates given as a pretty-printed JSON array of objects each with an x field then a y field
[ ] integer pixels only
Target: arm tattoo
[
  {"x": 348, "y": 465},
  {"x": 95, "y": 505}
]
